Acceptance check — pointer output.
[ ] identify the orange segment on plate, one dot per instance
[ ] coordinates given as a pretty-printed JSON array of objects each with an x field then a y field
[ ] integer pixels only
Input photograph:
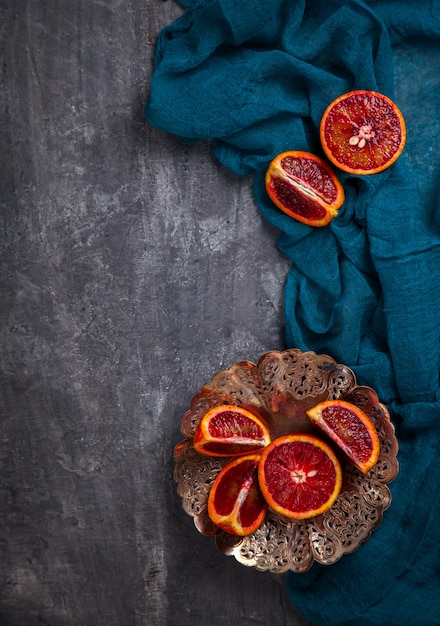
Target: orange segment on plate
[
  {"x": 351, "y": 429},
  {"x": 230, "y": 430},
  {"x": 362, "y": 132},
  {"x": 235, "y": 502},
  {"x": 300, "y": 476},
  {"x": 304, "y": 187}
]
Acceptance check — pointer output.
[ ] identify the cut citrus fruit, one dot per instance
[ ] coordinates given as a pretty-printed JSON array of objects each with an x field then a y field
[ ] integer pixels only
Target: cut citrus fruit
[
  {"x": 351, "y": 429},
  {"x": 235, "y": 502},
  {"x": 230, "y": 430},
  {"x": 362, "y": 132},
  {"x": 304, "y": 187},
  {"x": 300, "y": 476}
]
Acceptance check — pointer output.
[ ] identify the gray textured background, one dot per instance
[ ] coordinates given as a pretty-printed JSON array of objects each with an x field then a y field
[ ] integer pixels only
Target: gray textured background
[{"x": 132, "y": 269}]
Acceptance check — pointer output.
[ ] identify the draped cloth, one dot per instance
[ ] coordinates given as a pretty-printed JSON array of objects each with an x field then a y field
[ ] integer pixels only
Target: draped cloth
[{"x": 255, "y": 77}]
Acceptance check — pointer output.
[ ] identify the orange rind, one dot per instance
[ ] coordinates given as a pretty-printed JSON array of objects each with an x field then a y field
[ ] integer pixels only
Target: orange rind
[
  {"x": 351, "y": 429},
  {"x": 304, "y": 187},
  {"x": 362, "y": 132},
  {"x": 235, "y": 503},
  {"x": 229, "y": 430},
  {"x": 300, "y": 476}
]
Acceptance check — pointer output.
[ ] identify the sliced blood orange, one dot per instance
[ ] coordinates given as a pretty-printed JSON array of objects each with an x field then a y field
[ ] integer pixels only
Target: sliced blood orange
[
  {"x": 230, "y": 430},
  {"x": 300, "y": 476},
  {"x": 362, "y": 132},
  {"x": 304, "y": 187},
  {"x": 351, "y": 429},
  {"x": 235, "y": 502}
]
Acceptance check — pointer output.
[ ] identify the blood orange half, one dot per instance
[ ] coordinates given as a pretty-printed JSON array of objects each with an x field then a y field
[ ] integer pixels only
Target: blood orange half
[
  {"x": 362, "y": 132},
  {"x": 304, "y": 187},
  {"x": 351, "y": 429},
  {"x": 300, "y": 476},
  {"x": 235, "y": 502},
  {"x": 230, "y": 430}
]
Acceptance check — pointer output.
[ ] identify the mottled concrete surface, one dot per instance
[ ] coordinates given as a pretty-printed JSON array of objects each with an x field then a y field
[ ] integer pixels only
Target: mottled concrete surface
[{"x": 132, "y": 269}]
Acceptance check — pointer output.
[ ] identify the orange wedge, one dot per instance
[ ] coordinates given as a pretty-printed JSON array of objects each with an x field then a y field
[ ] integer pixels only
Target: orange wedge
[
  {"x": 351, "y": 429},
  {"x": 230, "y": 430},
  {"x": 304, "y": 187},
  {"x": 235, "y": 501}
]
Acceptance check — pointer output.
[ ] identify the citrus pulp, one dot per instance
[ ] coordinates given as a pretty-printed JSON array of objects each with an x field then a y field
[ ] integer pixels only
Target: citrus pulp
[
  {"x": 229, "y": 430},
  {"x": 351, "y": 429},
  {"x": 304, "y": 187},
  {"x": 235, "y": 502},
  {"x": 362, "y": 132},
  {"x": 300, "y": 476}
]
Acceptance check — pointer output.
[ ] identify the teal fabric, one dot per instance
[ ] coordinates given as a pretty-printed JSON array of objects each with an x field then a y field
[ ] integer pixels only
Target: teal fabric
[{"x": 255, "y": 77}]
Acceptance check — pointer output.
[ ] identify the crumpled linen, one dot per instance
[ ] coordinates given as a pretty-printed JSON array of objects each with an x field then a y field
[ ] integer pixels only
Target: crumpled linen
[{"x": 255, "y": 77}]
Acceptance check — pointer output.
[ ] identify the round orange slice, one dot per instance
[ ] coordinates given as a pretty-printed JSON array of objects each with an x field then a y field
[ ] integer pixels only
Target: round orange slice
[
  {"x": 351, "y": 429},
  {"x": 362, "y": 132},
  {"x": 304, "y": 187},
  {"x": 230, "y": 430},
  {"x": 235, "y": 502},
  {"x": 300, "y": 476}
]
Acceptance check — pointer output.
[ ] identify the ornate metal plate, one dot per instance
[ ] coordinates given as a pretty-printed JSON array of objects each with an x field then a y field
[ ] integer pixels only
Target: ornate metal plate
[{"x": 281, "y": 387}]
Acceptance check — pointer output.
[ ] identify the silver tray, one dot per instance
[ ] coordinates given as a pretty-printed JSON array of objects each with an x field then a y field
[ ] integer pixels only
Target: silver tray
[{"x": 280, "y": 388}]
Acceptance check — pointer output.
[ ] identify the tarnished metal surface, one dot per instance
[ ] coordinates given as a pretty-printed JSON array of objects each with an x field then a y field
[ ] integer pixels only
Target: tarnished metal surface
[{"x": 280, "y": 387}]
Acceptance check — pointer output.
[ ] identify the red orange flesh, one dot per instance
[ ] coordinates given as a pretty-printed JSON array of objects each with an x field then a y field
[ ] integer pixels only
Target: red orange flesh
[
  {"x": 230, "y": 430},
  {"x": 351, "y": 429},
  {"x": 235, "y": 502},
  {"x": 304, "y": 187},
  {"x": 300, "y": 476},
  {"x": 362, "y": 132}
]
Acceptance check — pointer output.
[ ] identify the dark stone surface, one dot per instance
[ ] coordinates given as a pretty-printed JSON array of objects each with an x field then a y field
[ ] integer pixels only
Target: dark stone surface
[{"x": 132, "y": 269}]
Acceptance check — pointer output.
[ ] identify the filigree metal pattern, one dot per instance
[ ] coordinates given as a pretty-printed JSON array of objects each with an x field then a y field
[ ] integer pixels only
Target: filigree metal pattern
[{"x": 281, "y": 387}]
